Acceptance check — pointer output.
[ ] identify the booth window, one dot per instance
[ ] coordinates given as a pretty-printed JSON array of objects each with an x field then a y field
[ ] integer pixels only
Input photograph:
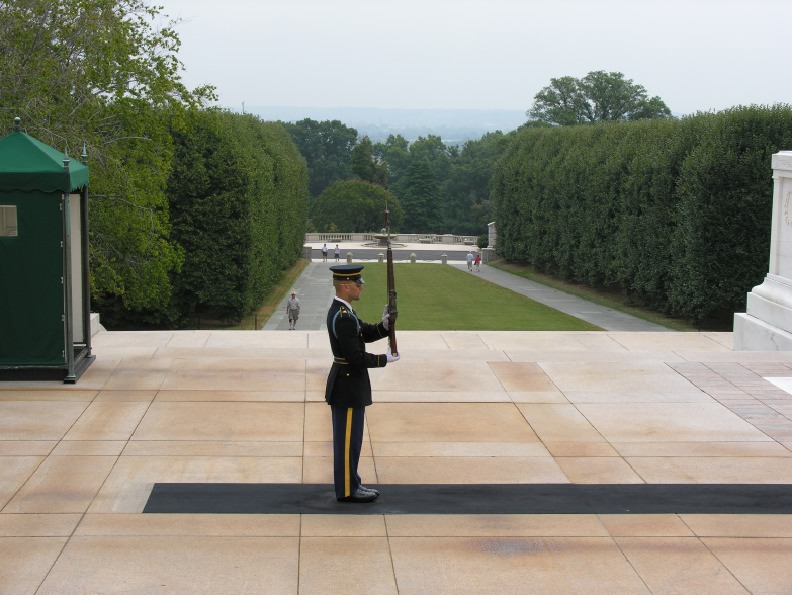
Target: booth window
[{"x": 8, "y": 221}]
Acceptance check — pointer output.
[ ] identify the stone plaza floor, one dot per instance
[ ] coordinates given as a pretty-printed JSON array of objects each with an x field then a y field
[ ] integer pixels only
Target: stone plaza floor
[{"x": 460, "y": 409}]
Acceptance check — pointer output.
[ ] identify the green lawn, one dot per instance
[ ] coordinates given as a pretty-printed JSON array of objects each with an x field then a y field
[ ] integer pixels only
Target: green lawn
[{"x": 442, "y": 297}]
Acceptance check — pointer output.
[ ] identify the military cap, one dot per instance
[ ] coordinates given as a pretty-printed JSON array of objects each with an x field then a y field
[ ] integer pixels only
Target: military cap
[{"x": 348, "y": 272}]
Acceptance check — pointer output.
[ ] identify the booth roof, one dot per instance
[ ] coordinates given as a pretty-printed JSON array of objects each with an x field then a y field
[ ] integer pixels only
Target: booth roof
[{"x": 29, "y": 165}]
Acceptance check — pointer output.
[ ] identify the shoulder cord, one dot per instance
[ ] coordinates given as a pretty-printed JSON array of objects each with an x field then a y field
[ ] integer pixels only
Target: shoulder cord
[{"x": 357, "y": 322}]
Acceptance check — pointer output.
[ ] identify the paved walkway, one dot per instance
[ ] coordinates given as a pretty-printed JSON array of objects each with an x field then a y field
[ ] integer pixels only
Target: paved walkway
[
  {"x": 572, "y": 418},
  {"x": 315, "y": 291}
]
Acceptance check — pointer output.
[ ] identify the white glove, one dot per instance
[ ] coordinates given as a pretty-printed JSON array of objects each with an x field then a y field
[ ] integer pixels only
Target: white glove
[
  {"x": 390, "y": 357},
  {"x": 386, "y": 318}
]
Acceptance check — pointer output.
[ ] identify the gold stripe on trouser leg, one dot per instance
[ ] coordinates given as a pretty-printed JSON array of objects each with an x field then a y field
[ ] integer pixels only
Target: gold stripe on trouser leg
[{"x": 347, "y": 441}]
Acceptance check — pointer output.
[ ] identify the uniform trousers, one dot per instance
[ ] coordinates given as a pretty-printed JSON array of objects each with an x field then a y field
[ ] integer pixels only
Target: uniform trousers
[{"x": 347, "y": 444}]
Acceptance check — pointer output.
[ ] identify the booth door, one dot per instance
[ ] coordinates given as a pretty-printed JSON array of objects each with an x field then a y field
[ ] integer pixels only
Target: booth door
[
  {"x": 32, "y": 327},
  {"x": 76, "y": 272}
]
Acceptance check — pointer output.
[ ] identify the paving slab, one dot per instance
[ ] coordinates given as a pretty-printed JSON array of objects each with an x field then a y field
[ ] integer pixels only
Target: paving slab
[{"x": 588, "y": 432}]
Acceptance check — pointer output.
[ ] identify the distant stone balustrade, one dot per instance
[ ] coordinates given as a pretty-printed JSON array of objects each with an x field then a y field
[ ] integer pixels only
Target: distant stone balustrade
[{"x": 404, "y": 238}]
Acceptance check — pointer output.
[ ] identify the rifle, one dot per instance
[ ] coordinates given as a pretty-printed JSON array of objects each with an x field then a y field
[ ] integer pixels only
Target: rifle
[{"x": 393, "y": 311}]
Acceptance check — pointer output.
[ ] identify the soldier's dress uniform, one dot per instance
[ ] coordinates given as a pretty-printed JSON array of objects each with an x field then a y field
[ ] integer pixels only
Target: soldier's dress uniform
[{"x": 348, "y": 390}]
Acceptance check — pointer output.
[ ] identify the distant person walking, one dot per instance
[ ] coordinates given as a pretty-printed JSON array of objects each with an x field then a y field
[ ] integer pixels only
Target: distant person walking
[
  {"x": 337, "y": 253},
  {"x": 469, "y": 259},
  {"x": 293, "y": 310},
  {"x": 324, "y": 253},
  {"x": 477, "y": 262}
]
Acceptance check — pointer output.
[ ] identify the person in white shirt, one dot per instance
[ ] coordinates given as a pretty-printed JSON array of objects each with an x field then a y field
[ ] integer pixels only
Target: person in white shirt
[{"x": 293, "y": 310}]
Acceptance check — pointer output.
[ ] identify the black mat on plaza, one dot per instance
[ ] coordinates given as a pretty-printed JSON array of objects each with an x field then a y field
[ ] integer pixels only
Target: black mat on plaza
[{"x": 246, "y": 498}]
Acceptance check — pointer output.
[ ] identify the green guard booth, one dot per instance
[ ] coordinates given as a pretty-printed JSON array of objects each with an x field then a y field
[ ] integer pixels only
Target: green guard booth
[{"x": 45, "y": 326}]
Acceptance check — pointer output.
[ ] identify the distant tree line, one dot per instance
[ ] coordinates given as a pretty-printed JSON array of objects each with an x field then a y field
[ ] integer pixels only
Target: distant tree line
[
  {"x": 444, "y": 188},
  {"x": 430, "y": 187}
]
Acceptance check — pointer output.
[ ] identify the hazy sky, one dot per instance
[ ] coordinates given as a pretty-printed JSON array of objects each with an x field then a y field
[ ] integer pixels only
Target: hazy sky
[{"x": 487, "y": 54}]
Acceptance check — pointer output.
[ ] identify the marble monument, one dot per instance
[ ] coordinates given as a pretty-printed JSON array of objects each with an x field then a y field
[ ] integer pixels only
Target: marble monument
[{"x": 767, "y": 322}]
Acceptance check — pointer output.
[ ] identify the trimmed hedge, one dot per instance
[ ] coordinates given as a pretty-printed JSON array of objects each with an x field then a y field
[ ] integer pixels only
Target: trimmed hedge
[
  {"x": 676, "y": 213},
  {"x": 238, "y": 201}
]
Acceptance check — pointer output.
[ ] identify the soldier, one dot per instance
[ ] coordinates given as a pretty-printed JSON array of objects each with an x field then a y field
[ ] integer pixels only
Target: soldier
[{"x": 348, "y": 389}]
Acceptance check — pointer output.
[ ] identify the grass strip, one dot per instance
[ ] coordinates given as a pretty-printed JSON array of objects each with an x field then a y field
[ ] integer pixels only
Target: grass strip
[{"x": 442, "y": 297}]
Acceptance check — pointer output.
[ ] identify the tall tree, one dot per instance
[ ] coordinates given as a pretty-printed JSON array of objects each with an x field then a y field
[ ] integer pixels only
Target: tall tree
[
  {"x": 366, "y": 166},
  {"x": 467, "y": 190},
  {"x": 428, "y": 154},
  {"x": 420, "y": 198},
  {"x": 395, "y": 154},
  {"x": 101, "y": 74},
  {"x": 327, "y": 147},
  {"x": 598, "y": 96},
  {"x": 434, "y": 152}
]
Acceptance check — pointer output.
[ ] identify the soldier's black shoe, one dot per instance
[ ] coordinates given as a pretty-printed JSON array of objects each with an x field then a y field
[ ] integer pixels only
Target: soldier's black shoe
[{"x": 359, "y": 496}]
